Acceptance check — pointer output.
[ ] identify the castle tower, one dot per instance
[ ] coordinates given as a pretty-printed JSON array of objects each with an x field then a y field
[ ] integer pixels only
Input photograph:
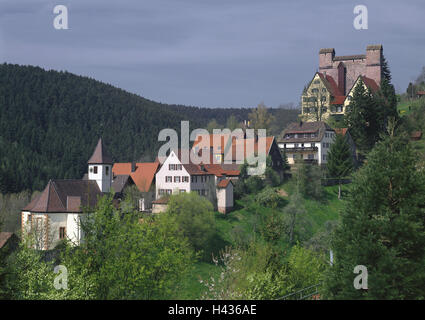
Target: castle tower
[
  {"x": 374, "y": 62},
  {"x": 100, "y": 167}
]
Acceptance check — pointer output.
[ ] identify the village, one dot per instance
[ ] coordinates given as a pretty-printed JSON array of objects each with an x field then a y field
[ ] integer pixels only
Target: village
[
  {"x": 235, "y": 213},
  {"x": 55, "y": 213}
]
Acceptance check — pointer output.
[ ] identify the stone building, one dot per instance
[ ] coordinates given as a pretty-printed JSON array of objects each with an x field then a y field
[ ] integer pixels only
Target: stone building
[{"x": 326, "y": 94}]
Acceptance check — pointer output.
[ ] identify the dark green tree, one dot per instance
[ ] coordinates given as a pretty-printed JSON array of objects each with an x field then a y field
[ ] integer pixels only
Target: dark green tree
[
  {"x": 382, "y": 227},
  {"x": 363, "y": 119},
  {"x": 340, "y": 160}
]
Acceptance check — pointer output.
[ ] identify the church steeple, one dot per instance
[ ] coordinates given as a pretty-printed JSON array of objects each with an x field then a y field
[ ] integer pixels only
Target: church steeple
[{"x": 100, "y": 167}]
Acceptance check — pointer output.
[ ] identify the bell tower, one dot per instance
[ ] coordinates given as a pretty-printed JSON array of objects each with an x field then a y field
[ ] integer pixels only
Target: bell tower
[{"x": 100, "y": 167}]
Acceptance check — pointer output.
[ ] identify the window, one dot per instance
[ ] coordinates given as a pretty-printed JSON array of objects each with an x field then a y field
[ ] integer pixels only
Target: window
[
  {"x": 169, "y": 191},
  {"x": 95, "y": 169},
  {"x": 29, "y": 218},
  {"x": 62, "y": 233},
  {"x": 107, "y": 170},
  {"x": 177, "y": 179},
  {"x": 185, "y": 179},
  {"x": 182, "y": 190},
  {"x": 194, "y": 179},
  {"x": 310, "y": 156},
  {"x": 324, "y": 157},
  {"x": 313, "y": 144},
  {"x": 174, "y": 167},
  {"x": 168, "y": 179}
]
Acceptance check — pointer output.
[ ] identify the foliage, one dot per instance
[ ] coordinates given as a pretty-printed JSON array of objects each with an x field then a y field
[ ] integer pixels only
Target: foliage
[
  {"x": 340, "y": 160},
  {"x": 268, "y": 197},
  {"x": 308, "y": 180},
  {"x": 50, "y": 122},
  {"x": 260, "y": 118},
  {"x": 382, "y": 227},
  {"x": 194, "y": 218},
  {"x": 129, "y": 258}
]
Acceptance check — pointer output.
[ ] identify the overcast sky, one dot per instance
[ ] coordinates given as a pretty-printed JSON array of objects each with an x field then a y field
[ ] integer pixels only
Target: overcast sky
[{"x": 212, "y": 53}]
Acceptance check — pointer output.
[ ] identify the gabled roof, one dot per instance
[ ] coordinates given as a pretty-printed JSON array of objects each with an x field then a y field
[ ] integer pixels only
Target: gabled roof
[
  {"x": 338, "y": 100},
  {"x": 120, "y": 182},
  {"x": 330, "y": 84},
  {"x": 142, "y": 176},
  {"x": 318, "y": 127},
  {"x": 100, "y": 156},
  {"x": 66, "y": 196},
  {"x": 370, "y": 84},
  {"x": 4, "y": 237},
  {"x": 224, "y": 183},
  {"x": 236, "y": 144}
]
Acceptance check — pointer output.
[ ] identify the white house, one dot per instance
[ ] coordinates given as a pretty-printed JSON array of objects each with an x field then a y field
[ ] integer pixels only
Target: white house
[
  {"x": 55, "y": 214},
  {"x": 308, "y": 141},
  {"x": 176, "y": 177}
]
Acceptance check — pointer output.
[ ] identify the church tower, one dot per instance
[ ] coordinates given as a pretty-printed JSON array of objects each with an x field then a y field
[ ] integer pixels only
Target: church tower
[{"x": 100, "y": 167}]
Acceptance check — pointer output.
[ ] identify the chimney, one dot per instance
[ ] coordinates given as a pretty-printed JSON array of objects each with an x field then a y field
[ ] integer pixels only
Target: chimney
[{"x": 133, "y": 166}]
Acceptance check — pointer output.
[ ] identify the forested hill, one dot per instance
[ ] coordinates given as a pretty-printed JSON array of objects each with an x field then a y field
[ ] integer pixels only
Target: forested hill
[{"x": 50, "y": 122}]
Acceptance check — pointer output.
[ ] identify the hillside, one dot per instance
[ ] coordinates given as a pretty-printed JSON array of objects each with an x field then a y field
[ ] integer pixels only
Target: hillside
[{"x": 50, "y": 122}]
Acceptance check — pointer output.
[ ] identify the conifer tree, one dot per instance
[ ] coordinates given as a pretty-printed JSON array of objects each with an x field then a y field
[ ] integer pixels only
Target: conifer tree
[
  {"x": 362, "y": 119},
  {"x": 340, "y": 160},
  {"x": 382, "y": 228}
]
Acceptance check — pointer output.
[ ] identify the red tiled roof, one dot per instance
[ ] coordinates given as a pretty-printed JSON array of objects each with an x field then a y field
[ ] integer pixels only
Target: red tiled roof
[
  {"x": 338, "y": 100},
  {"x": 143, "y": 175},
  {"x": 223, "y": 183},
  {"x": 163, "y": 200},
  {"x": 100, "y": 156},
  {"x": 370, "y": 83},
  {"x": 237, "y": 144},
  {"x": 331, "y": 85}
]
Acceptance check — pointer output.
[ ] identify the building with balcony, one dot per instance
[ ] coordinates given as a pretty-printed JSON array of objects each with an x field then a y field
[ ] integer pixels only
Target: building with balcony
[{"x": 307, "y": 141}]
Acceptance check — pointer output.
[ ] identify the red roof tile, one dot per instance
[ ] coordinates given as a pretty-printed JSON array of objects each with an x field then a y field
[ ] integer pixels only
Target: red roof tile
[
  {"x": 143, "y": 175},
  {"x": 223, "y": 183}
]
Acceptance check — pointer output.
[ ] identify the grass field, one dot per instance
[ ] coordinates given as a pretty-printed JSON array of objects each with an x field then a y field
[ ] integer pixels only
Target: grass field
[{"x": 241, "y": 223}]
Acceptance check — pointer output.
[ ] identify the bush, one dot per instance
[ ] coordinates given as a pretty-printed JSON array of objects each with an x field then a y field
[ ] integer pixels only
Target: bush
[{"x": 254, "y": 184}]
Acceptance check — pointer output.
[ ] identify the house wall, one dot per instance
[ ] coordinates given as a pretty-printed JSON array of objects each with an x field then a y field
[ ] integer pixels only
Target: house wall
[
  {"x": 225, "y": 198},
  {"x": 51, "y": 224},
  {"x": 103, "y": 176},
  {"x": 160, "y": 182}
]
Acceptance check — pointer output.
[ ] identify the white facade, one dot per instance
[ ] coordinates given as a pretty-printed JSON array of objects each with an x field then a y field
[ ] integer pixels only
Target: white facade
[
  {"x": 180, "y": 178},
  {"x": 173, "y": 178},
  {"x": 102, "y": 173},
  {"x": 323, "y": 148},
  {"x": 50, "y": 228}
]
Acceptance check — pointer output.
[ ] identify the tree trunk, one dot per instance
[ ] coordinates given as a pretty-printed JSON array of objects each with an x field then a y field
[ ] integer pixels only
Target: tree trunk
[{"x": 339, "y": 191}]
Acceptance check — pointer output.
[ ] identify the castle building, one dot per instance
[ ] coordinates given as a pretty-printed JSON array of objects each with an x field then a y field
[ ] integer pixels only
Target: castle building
[{"x": 329, "y": 92}]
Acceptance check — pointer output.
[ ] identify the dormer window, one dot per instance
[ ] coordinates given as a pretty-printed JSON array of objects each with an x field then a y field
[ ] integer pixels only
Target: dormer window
[{"x": 95, "y": 169}]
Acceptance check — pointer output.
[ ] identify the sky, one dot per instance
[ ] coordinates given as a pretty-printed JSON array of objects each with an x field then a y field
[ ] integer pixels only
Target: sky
[{"x": 209, "y": 53}]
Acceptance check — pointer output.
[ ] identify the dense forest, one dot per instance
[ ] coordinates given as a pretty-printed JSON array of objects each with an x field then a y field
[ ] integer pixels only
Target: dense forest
[{"x": 50, "y": 122}]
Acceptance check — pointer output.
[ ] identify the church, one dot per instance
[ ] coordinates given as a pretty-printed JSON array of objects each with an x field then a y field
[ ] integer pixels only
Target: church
[{"x": 55, "y": 214}]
